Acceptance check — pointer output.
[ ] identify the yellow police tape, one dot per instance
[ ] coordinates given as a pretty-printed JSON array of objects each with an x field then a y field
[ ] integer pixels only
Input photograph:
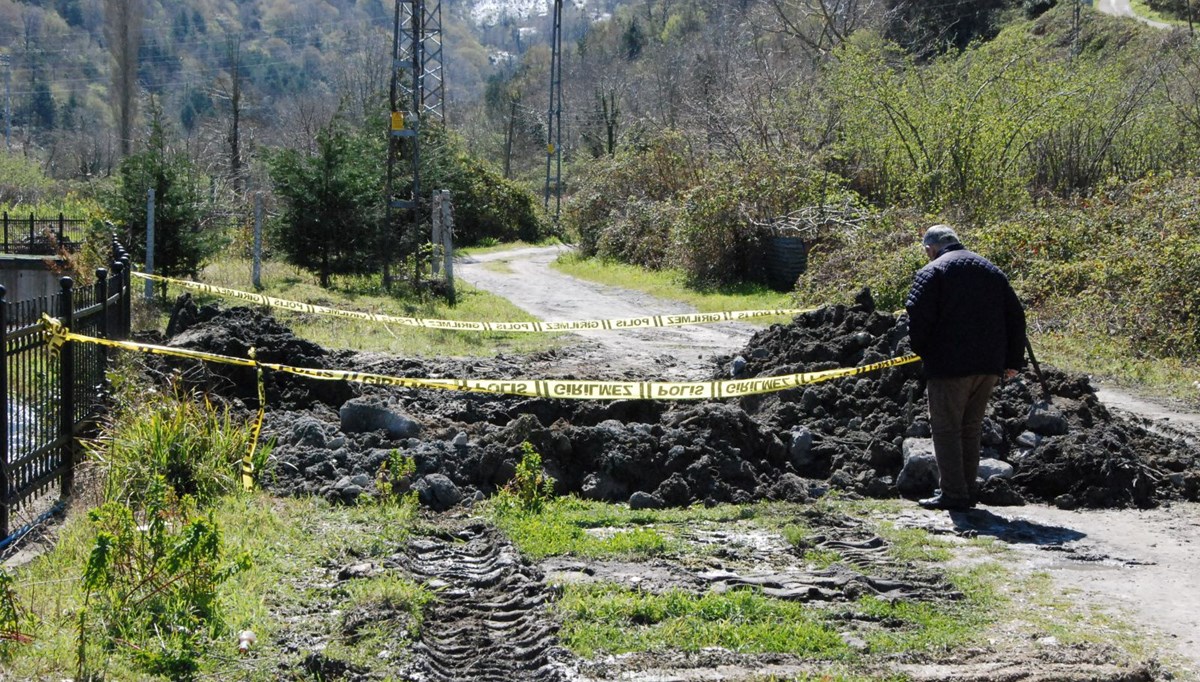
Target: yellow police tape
[
  {"x": 531, "y": 388},
  {"x": 464, "y": 325}
]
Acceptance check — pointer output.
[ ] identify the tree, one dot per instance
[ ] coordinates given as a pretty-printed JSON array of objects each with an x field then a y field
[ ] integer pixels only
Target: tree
[
  {"x": 332, "y": 202},
  {"x": 486, "y": 205},
  {"x": 123, "y": 30},
  {"x": 182, "y": 245}
]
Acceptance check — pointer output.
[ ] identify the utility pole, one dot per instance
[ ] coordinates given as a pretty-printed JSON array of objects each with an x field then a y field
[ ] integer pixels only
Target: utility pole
[
  {"x": 7, "y": 103},
  {"x": 554, "y": 116},
  {"x": 415, "y": 94},
  {"x": 1076, "y": 18}
]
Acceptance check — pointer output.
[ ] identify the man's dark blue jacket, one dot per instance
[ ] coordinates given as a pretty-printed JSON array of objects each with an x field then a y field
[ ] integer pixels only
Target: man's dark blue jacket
[{"x": 964, "y": 318}]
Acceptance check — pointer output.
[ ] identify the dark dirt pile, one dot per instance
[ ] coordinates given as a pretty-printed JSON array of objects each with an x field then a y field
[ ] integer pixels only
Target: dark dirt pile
[{"x": 332, "y": 438}]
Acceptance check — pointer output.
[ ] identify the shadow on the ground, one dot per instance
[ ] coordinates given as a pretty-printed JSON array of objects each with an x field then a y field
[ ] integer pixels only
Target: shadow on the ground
[{"x": 983, "y": 522}]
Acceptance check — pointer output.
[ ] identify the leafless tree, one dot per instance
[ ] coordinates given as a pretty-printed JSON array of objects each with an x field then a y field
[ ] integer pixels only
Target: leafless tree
[
  {"x": 229, "y": 88},
  {"x": 821, "y": 25},
  {"x": 123, "y": 30}
]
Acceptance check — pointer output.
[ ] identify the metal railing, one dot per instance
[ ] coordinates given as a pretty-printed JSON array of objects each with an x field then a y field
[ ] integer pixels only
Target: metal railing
[
  {"x": 41, "y": 236},
  {"x": 51, "y": 395}
]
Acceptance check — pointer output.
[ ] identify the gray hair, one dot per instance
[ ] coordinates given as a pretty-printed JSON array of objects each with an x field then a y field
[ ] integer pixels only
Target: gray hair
[{"x": 940, "y": 235}]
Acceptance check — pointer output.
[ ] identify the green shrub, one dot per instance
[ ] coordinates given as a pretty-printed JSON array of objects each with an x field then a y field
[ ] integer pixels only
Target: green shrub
[
  {"x": 152, "y": 584},
  {"x": 1125, "y": 263},
  {"x": 193, "y": 445},
  {"x": 15, "y": 620},
  {"x": 660, "y": 207},
  {"x": 486, "y": 205},
  {"x": 530, "y": 488},
  {"x": 882, "y": 256}
]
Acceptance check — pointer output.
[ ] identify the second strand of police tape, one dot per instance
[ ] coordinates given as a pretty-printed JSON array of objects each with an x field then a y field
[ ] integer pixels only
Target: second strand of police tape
[{"x": 467, "y": 325}]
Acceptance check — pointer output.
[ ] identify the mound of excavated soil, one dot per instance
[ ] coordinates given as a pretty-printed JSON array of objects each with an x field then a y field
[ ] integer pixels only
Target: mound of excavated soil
[{"x": 848, "y": 434}]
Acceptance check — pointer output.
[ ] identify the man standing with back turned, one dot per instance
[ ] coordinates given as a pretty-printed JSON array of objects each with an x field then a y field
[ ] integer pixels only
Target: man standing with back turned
[{"x": 966, "y": 323}]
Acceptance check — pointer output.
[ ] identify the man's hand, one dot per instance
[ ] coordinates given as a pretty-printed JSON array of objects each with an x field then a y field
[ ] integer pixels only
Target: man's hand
[{"x": 1010, "y": 374}]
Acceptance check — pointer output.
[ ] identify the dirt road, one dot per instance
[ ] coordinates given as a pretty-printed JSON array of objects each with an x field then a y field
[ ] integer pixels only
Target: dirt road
[
  {"x": 1122, "y": 8},
  {"x": 1139, "y": 565},
  {"x": 525, "y": 278}
]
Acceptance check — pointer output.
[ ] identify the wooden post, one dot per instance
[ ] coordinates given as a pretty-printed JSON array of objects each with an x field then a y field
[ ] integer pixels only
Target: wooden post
[
  {"x": 448, "y": 243},
  {"x": 256, "y": 269}
]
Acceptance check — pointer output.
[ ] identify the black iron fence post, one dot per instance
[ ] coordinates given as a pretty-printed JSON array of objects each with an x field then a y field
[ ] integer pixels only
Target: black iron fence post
[
  {"x": 30, "y": 248},
  {"x": 5, "y": 491},
  {"x": 66, "y": 375},
  {"x": 102, "y": 296},
  {"x": 7, "y": 245},
  {"x": 127, "y": 297},
  {"x": 61, "y": 220}
]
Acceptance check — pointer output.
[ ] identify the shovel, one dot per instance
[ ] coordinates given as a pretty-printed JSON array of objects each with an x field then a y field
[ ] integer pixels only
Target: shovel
[{"x": 1038, "y": 371}]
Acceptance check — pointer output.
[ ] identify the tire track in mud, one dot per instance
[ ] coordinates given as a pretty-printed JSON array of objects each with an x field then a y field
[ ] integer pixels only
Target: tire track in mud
[{"x": 489, "y": 621}]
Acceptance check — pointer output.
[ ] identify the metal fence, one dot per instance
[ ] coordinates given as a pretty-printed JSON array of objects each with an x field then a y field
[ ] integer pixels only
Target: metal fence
[
  {"x": 52, "y": 395},
  {"x": 41, "y": 236}
]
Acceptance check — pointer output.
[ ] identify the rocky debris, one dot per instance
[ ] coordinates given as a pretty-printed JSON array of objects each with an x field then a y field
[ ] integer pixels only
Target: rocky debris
[{"x": 854, "y": 433}]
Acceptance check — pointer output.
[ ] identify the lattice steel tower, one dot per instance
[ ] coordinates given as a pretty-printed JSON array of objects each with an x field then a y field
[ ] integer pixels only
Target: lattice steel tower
[{"x": 416, "y": 95}]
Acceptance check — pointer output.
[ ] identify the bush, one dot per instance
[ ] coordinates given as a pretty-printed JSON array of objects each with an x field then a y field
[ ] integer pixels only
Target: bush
[
  {"x": 1125, "y": 263},
  {"x": 152, "y": 583},
  {"x": 652, "y": 207},
  {"x": 623, "y": 207},
  {"x": 883, "y": 256},
  {"x": 184, "y": 234},
  {"x": 486, "y": 205},
  {"x": 195, "y": 447},
  {"x": 333, "y": 203}
]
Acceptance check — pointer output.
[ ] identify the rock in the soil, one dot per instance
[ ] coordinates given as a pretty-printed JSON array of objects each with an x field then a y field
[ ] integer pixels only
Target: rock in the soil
[
  {"x": 1045, "y": 420},
  {"x": 919, "y": 475},
  {"x": 800, "y": 447},
  {"x": 641, "y": 500},
  {"x": 990, "y": 468},
  {"x": 437, "y": 492},
  {"x": 360, "y": 415}
]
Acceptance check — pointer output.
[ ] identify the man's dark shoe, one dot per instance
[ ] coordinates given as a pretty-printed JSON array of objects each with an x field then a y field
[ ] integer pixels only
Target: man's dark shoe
[{"x": 940, "y": 501}]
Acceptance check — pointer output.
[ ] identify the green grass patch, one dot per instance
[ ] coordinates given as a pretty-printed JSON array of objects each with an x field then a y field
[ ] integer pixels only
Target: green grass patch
[
  {"x": 606, "y": 619},
  {"x": 365, "y": 294},
  {"x": 672, "y": 285},
  {"x": 569, "y": 526},
  {"x": 491, "y": 246},
  {"x": 501, "y": 266},
  {"x": 939, "y": 626},
  {"x": 1111, "y": 359},
  {"x": 1145, "y": 11},
  {"x": 291, "y": 545}
]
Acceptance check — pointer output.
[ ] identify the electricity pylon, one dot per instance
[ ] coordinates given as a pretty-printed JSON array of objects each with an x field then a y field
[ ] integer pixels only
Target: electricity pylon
[{"x": 416, "y": 94}]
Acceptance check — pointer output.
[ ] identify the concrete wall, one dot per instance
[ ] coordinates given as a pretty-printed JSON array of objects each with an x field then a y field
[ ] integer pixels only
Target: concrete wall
[{"x": 26, "y": 277}]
